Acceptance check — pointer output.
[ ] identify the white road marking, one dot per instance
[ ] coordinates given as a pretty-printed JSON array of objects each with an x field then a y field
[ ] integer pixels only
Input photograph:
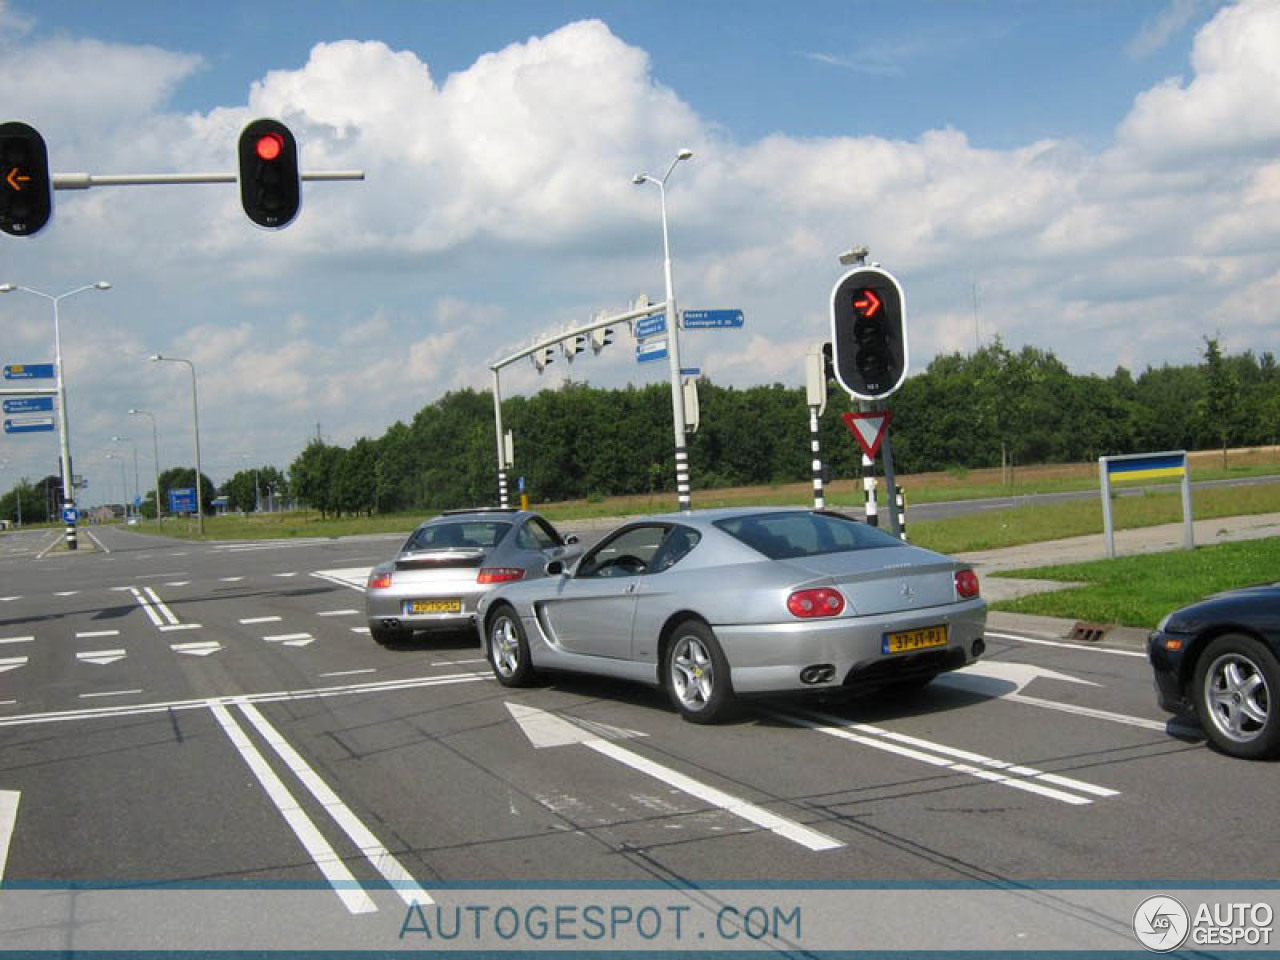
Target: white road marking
[
  {"x": 940, "y": 755},
  {"x": 288, "y": 637},
  {"x": 66, "y": 593},
  {"x": 552, "y": 730},
  {"x": 277, "y": 696},
  {"x": 292, "y": 573},
  {"x": 352, "y": 895},
  {"x": 7, "y": 599},
  {"x": 1068, "y": 646},
  {"x": 378, "y": 855},
  {"x": 16, "y": 639},
  {"x": 199, "y": 648},
  {"x": 160, "y": 605},
  {"x": 177, "y": 583},
  {"x": 89, "y": 634},
  {"x": 8, "y": 820},
  {"x": 337, "y": 613},
  {"x": 98, "y": 543},
  {"x": 146, "y": 607},
  {"x": 352, "y": 577},
  {"x": 169, "y": 627},
  {"x": 249, "y": 620},
  {"x": 349, "y": 673},
  {"x": 1158, "y": 726},
  {"x": 102, "y": 657},
  {"x": 109, "y": 693},
  {"x": 230, "y": 579},
  {"x": 11, "y": 663},
  {"x": 364, "y": 630}
]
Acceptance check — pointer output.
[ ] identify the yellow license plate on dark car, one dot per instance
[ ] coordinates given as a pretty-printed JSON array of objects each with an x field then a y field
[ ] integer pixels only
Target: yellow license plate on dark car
[
  {"x": 434, "y": 606},
  {"x": 908, "y": 641}
]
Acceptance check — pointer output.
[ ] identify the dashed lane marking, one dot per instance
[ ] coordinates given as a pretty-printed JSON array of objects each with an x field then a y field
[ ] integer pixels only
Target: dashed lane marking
[
  {"x": 250, "y": 620},
  {"x": 90, "y": 634},
  {"x": 337, "y": 613},
  {"x": 109, "y": 693}
]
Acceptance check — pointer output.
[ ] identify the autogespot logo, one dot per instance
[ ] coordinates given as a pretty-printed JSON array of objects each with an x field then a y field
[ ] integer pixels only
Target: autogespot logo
[{"x": 1161, "y": 923}]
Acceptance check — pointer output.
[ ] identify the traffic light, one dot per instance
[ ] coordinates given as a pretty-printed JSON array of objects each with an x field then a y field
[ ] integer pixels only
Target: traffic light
[
  {"x": 601, "y": 337},
  {"x": 543, "y": 356},
  {"x": 26, "y": 188},
  {"x": 270, "y": 188},
  {"x": 574, "y": 345},
  {"x": 869, "y": 333}
]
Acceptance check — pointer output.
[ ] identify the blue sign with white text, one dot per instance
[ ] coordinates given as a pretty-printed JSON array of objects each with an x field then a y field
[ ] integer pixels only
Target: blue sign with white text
[
  {"x": 182, "y": 500},
  {"x": 28, "y": 405},
  {"x": 651, "y": 350},
  {"x": 28, "y": 425},
  {"x": 650, "y": 326},
  {"x": 711, "y": 319},
  {"x": 28, "y": 371}
]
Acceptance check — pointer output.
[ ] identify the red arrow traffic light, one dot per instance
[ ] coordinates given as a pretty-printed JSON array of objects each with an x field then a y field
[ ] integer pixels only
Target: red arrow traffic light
[{"x": 869, "y": 303}]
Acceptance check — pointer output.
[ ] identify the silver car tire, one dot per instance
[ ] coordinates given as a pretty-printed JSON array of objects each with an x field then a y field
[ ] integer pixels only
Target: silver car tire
[
  {"x": 508, "y": 649},
  {"x": 696, "y": 674},
  {"x": 1236, "y": 682}
]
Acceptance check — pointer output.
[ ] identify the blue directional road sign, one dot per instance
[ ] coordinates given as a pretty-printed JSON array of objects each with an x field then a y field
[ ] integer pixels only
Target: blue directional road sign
[
  {"x": 182, "y": 500},
  {"x": 28, "y": 405},
  {"x": 28, "y": 371},
  {"x": 690, "y": 371},
  {"x": 28, "y": 424},
  {"x": 651, "y": 350},
  {"x": 650, "y": 326},
  {"x": 710, "y": 319}
]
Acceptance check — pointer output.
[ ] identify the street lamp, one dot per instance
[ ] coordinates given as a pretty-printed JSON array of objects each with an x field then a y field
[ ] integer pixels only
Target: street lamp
[
  {"x": 155, "y": 449},
  {"x": 64, "y": 432},
  {"x": 673, "y": 337},
  {"x": 124, "y": 483},
  {"x": 135, "y": 466},
  {"x": 195, "y": 412}
]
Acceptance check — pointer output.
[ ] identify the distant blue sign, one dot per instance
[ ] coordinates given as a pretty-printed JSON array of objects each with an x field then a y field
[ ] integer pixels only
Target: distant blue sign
[
  {"x": 690, "y": 371},
  {"x": 70, "y": 515},
  {"x": 710, "y": 319},
  {"x": 651, "y": 350},
  {"x": 650, "y": 326},
  {"x": 182, "y": 500},
  {"x": 28, "y": 371},
  {"x": 28, "y": 425},
  {"x": 28, "y": 405}
]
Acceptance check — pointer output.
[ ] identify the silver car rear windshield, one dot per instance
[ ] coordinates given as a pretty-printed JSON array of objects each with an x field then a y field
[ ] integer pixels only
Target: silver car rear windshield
[
  {"x": 464, "y": 534},
  {"x": 785, "y": 536}
]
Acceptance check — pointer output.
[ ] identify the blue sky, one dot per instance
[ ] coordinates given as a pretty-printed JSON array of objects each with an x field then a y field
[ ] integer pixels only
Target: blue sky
[{"x": 1101, "y": 174}]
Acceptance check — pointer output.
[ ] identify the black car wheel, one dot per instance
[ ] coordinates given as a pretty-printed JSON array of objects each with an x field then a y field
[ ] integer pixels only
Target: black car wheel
[
  {"x": 508, "y": 649},
  {"x": 1234, "y": 688},
  {"x": 696, "y": 674}
]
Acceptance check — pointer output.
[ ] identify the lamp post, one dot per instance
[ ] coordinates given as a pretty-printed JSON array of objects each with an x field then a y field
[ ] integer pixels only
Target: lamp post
[
  {"x": 673, "y": 337},
  {"x": 155, "y": 449},
  {"x": 64, "y": 431},
  {"x": 195, "y": 412},
  {"x": 124, "y": 482},
  {"x": 135, "y": 464}
]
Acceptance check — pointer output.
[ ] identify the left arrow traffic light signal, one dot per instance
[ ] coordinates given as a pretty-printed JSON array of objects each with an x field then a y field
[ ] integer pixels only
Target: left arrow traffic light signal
[
  {"x": 26, "y": 187},
  {"x": 270, "y": 186}
]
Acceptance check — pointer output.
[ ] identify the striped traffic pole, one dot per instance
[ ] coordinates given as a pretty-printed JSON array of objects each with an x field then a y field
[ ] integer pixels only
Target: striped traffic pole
[{"x": 819, "y": 502}]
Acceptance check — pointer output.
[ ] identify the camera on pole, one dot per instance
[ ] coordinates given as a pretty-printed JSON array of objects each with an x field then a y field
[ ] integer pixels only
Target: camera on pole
[{"x": 26, "y": 187}]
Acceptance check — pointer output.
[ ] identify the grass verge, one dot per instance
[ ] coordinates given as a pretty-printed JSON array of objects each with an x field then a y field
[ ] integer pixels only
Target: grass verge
[{"x": 1136, "y": 591}]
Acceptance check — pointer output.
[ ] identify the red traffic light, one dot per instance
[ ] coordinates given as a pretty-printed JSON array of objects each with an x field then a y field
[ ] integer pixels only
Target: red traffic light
[
  {"x": 868, "y": 304},
  {"x": 270, "y": 146}
]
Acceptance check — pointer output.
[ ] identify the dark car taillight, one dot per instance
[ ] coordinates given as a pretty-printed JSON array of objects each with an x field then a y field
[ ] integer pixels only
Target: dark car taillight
[
  {"x": 499, "y": 574},
  {"x": 822, "y": 602},
  {"x": 379, "y": 581},
  {"x": 967, "y": 584}
]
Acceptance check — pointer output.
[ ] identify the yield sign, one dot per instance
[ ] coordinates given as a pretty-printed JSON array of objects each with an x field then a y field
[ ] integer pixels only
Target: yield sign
[{"x": 868, "y": 429}]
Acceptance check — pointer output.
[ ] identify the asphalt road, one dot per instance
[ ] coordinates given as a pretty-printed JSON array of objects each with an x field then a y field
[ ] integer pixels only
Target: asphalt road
[{"x": 215, "y": 714}]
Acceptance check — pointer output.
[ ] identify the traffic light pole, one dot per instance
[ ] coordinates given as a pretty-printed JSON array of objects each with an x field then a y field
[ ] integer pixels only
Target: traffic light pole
[{"x": 83, "y": 181}]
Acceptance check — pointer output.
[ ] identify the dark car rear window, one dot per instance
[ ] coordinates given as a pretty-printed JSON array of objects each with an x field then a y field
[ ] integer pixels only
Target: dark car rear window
[
  {"x": 784, "y": 536},
  {"x": 483, "y": 534}
]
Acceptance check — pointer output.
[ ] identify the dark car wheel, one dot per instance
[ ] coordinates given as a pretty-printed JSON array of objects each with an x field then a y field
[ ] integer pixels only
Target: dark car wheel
[
  {"x": 1234, "y": 688},
  {"x": 696, "y": 674},
  {"x": 509, "y": 650}
]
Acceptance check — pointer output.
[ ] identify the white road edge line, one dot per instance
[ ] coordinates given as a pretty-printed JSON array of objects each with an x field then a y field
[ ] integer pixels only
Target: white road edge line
[
  {"x": 787, "y": 829},
  {"x": 379, "y": 856},
  {"x": 352, "y": 895},
  {"x": 350, "y": 673},
  {"x": 161, "y": 606},
  {"x": 1068, "y": 646},
  {"x": 8, "y": 820},
  {"x": 98, "y": 543},
  {"x": 109, "y": 693}
]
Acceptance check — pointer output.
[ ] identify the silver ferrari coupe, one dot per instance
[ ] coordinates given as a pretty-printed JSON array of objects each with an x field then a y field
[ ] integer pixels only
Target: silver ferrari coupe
[{"x": 714, "y": 604}]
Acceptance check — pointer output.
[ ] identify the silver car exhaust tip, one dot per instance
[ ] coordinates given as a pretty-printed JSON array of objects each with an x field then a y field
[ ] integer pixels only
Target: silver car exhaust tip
[
  {"x": 818, "y": 673},
  {"x": 390, "y": 623}
]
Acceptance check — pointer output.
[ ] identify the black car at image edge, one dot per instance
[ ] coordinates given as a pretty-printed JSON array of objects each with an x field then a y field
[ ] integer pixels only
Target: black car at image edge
[{"x": 1220, "y": 658}]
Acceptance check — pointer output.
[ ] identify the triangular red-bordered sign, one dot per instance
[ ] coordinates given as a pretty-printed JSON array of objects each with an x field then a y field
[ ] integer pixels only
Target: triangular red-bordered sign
[{"x": 868, "y": 429}]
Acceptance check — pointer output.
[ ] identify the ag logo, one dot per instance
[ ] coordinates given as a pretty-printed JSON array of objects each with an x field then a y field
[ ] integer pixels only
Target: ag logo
[{"x": 1161, "y": 923}]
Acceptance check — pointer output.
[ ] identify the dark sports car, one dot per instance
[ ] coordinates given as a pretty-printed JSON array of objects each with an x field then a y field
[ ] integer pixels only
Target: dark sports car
[{"x": 1220, "y": 658}]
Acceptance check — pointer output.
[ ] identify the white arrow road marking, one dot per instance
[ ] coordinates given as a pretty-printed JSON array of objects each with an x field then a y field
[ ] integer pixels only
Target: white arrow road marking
[
  {"x": 378, "y": 855},
  {"x": 546, "y": 729},
  {"x": 291, "y": 639},
  {"x": 8, "y": 820},
  {"x": 353, "y": 577},
  {"x": 938, "y": 755},
  {"x": 200, "y": 648},
  {"x": 991, "y": 678},
  {"x": 11, "y": 663},
  {"x": 352, "y": 895},
  {"x": 102, "y": 657}
]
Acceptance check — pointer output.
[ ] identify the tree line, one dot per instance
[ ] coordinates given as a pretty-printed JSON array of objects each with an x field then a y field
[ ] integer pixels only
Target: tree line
[{"x": 581, "y": 442}]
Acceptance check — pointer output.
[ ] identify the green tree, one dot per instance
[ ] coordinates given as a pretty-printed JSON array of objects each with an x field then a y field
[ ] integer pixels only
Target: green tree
[
  {"x": 312, "y": 476},
  {"x": 1221, "y": 400}
]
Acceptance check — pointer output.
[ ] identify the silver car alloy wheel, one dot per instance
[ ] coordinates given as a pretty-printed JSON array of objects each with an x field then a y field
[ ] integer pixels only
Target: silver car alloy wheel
[
  {"x": 1236, "y": 693},
  {"x": 692, "y": 672},
  {"x": 504, "y": 642}
]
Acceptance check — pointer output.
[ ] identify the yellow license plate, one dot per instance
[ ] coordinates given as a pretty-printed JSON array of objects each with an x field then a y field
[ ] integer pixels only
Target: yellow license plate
[
  {"x": 907, "y": 641},
  {"x": 434, "y": 606}
]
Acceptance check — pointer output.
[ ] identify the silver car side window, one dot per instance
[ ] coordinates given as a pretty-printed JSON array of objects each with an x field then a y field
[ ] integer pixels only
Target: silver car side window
[{"x": 626, "y": 554}]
